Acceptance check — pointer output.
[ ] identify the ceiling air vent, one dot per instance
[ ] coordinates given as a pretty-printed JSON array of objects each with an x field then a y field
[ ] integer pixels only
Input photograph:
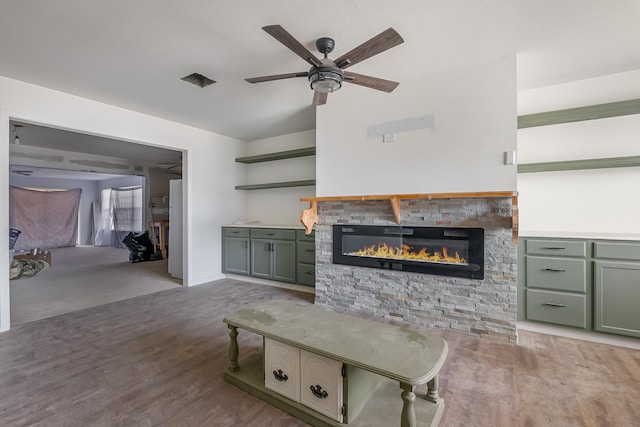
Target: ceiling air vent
[{"x": 198, "y": 80}]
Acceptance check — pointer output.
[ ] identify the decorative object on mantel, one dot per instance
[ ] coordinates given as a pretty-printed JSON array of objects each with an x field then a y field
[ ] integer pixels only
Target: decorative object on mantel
[{"x": 309, "y": 217}]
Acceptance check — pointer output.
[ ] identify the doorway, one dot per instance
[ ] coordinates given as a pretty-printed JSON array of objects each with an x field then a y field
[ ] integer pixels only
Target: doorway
[{"x": 85, "y": 275}]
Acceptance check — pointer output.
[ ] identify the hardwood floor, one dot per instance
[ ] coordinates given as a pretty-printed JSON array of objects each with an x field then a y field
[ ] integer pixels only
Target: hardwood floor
[{"x": 158, "y": 359}]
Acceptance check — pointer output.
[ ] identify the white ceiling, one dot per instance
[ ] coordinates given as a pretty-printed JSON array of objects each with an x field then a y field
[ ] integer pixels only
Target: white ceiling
[{"x": 133, "y": 53}]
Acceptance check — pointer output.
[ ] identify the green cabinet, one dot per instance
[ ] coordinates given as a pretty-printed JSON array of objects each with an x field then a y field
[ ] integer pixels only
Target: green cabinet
[
  {"x": 617, "y": 288},
  {"x": 588, "y": 284},
  {"x": 306, "y": 256},
  {"x": 273, "y": 259},
  {"x": 281, "y": 254},
  {"x": 235, "y": 253},
  {"x": 555, "y": 284}
]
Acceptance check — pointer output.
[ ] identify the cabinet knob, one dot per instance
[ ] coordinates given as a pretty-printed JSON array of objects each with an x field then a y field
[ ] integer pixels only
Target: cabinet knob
[
  {"x": 318, "y": 391},
  {"x": 280, "y": 376}
]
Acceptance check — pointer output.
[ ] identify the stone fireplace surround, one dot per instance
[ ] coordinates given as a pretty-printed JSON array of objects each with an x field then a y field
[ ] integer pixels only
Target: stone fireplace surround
[{"x": 485, "y": 308}]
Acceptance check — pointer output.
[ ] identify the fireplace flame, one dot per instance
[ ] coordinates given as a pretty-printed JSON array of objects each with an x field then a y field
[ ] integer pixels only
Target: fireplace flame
[{"x": 406, "y": 252}]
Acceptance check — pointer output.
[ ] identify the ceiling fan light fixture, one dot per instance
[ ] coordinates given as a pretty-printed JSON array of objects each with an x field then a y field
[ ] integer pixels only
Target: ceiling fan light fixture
[{"x": 326, "y": 79}]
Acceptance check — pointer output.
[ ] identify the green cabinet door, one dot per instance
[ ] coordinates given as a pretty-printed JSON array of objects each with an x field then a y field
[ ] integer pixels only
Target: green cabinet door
[
  {"x": 617, "y": 297},
  {"x": 261, "y": 258},
  {"x": 283, "y": 261},
  {"x": 235, "y": 255},
  {"x": 273, "y": 259}
]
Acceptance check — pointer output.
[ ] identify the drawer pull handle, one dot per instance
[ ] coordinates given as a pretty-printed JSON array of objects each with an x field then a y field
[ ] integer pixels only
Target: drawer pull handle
[
  {"x": 310, "y": 273},
  {"x": 555, "y": 270},
  {"x": 554, "y": 248},
  {"x": 280, "y": 376},
  {"x": 318, "y": 391},
  {"x": 554, "y": 304},
  {"x": 271, "y": 234},
  {"x": 309, "y": 250}
]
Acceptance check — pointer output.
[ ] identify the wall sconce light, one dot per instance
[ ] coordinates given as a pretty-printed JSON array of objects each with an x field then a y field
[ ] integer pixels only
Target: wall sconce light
[{"x": 16, "y": 129}]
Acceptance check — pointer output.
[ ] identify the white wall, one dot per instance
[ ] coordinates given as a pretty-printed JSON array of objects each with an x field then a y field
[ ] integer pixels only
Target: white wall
[
  {"x": 280, "y": 205},
  {"x": 475, "y": 123},
  {"x": 586, "y": 201},
  {"x": 89, "y": 195},
  {"x": 210, "y": 170}
]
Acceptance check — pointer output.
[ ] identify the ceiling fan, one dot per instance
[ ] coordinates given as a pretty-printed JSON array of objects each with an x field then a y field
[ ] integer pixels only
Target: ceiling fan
[
  {"x": 326, "y": 75},
  {"x": 168, "y": 166}
]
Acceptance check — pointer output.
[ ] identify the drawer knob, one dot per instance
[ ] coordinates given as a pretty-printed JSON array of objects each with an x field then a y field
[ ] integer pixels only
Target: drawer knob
[
  {"x": 554, "y": 304},
  {"x": 280, "y": 376},
  {"x": 318, "y": 391},
  {"x": 554, "y": 270}
]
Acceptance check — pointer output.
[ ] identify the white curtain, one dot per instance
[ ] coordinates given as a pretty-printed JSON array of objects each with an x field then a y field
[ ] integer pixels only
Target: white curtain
[
  {"x": 126, "y": 213},
  {"x": 46, "y": 219},
  {"x": 118, "y": 213},
  {"x": 102, "y": 223}
]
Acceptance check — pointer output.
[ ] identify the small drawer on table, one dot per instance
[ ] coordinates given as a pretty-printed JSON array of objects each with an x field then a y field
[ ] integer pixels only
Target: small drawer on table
[
  {"x": 282, "y": 369},
  {"x": 556, "y": 247},
  {"x": 557, "y": 307},
  {"x": 306, "y": 252},
  {"x": 563, "y": 274},
  {"x": 236, "y": 232},
  {"x": 321, "y": 384},
  {"x": 627, "y": 251},
  {"x": 306, "y": 274},
  {"x": 273, "y": 233}
]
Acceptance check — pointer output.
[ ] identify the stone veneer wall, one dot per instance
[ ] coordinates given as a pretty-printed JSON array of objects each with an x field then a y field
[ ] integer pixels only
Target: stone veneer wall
[{"x": 486, "y": 308}]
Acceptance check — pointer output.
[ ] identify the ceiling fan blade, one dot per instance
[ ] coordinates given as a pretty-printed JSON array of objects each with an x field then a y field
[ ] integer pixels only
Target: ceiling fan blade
[
  {"x": 375, "y": 45},
  {"x": 280, "y": 34},
  {"x": 370, "y": 82},
  {"x": 319, "y": 98},
  {"x": 276, "y": 77}
]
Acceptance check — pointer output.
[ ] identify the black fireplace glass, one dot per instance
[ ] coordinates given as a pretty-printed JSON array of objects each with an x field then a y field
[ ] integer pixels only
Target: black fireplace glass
[{"x": 449, "y": 251}]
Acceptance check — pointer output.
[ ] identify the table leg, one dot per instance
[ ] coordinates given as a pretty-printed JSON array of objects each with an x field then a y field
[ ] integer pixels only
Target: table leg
[
  {"x": 408, "y": 417},
  {"x": 432, "y": 394},
  {"x": 233, "y": 349}
]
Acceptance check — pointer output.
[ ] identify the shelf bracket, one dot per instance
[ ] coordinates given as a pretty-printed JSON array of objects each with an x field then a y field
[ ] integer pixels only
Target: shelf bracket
[
  {"x": 514, "y": 219},
  {"x": 395, "y": 206},
  {"x": 309, "y": 217}
]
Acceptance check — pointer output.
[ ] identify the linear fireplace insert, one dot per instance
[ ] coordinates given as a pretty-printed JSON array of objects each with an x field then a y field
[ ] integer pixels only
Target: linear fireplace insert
[{"x": 446, "y": 251}]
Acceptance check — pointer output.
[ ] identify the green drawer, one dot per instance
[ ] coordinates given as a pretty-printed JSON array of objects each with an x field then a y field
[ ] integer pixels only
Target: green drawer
[
  {"x": 235, "y": 232},
  {"x": 557, "y": 307},
  {"x": 561, "y": 274},
  {"x": 617, "y": 250},
  {"x": 556, "y": 247},
  {"x": 273, "y": 233},
  {"x": 306, "y": 274},
  {"x": 301, "y": 237},
  {"x": 306, "y": 252}
]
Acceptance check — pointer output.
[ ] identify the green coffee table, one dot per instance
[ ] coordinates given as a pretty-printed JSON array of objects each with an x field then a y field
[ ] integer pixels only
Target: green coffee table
[{"x": 369, "y": 350}]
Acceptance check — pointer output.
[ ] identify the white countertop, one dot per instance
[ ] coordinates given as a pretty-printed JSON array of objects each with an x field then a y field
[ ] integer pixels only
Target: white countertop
[
  {"x": 261, "y": 225},
  {"x": 579, "y": 235}
]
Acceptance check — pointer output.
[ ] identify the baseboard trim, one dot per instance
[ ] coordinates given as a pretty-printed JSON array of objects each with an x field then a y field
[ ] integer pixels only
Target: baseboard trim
[
  {"x": 291, "y": 286},
  {"x": 610, "y": 339}
]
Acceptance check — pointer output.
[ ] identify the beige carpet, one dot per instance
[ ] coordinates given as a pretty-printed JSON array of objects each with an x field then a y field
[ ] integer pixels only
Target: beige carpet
[{"x": 84, "y": 277}]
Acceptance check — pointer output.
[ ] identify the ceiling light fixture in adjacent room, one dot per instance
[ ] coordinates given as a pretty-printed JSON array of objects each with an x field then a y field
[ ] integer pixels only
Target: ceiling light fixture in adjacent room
[{"x": 16, "y": 129}]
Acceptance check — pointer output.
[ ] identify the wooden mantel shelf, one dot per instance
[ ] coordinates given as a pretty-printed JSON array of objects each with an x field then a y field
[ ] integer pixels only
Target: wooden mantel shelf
[{"x": 309, "y": 217}]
